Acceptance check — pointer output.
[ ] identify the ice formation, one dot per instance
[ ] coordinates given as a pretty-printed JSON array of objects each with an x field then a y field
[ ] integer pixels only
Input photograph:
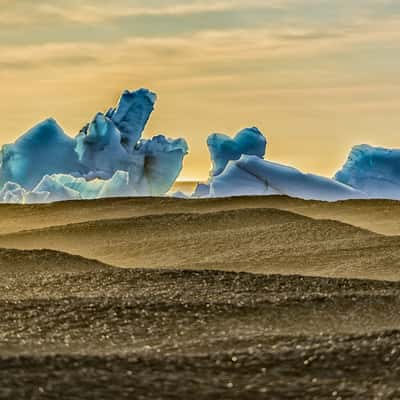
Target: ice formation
[
  {"x": 224, "y": 149},
  {"x": 202, "y": 190},
  {"x": 251, "y": 175},
  {"x": 59, "y": 187},
  {"x": 373, "y": 170},
  {"x": 107, "y": 158},
  {"x": 45, "y": 149},
  {"x": 239, "y": 169}
]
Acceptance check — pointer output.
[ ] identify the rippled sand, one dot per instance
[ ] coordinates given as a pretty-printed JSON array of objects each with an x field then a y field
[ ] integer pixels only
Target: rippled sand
[
  {"x": 177, "y": 324},
  {"x": 381, "y": 216}
]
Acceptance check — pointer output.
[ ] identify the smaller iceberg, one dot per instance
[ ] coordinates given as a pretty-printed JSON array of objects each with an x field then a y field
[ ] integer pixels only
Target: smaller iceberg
[
  {"x": 55, "y": 189},
  {"x": 12, "y": 193},
  {"x": 62, "y": 187},
  {"x": 239, "y": 169},
  {"x": 373, "y": 170},
  {"x": 251, "y": 175},
  {"x": 223, "y": 149},
  {"x": 68, "y": 187},
  {"x": 202, "y": 190}
]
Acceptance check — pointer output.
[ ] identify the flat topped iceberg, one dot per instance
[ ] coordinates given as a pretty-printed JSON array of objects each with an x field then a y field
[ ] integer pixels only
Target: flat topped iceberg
[
  {"x": 251, "y": 175},
  {"x": 373, "y": 170},
  {"x": 106, "y": 158}
]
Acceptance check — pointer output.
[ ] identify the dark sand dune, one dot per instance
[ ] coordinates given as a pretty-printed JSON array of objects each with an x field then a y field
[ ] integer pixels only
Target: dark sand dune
[
  {"x": 381, "y": 216},
  {"x": 177, "y": 335},
  {"x": 34, "y": 261},
  {"x": 253, "y": 240}
]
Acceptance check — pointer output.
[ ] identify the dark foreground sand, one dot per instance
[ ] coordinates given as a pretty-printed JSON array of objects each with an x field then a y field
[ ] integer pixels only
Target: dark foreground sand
[
  {"x": 183, "y": 326},
  {"x": 178, "y": 335}
]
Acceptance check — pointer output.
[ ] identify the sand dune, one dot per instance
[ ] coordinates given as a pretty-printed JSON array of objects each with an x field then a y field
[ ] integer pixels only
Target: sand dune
[
  {"x": 254, "y": 240},
  {"x": 35, "y": 261},
  {"x": 381, "y": 216},
  {"x": 72, "y": 327},
  {"x": 140, "y": 334}
]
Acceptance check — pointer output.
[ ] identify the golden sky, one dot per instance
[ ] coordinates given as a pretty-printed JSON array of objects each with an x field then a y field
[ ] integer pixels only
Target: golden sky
[{"x": 316, "y": 76}]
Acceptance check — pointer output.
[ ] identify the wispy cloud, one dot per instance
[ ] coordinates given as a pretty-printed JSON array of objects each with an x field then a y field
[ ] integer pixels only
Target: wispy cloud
[
  {"x": 95, "y": 11},
  {"x": 90, "y": 12},
  {"x": 212, "y": 47},
  {"x": 217, "y": 65}
]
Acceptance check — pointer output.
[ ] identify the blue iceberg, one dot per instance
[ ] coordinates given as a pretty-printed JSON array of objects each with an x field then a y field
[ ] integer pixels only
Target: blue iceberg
[
  {"x": 45, "y": 149},
  {"x": 107, "y": 158},
  {"x": 239, "y": 169},
  {"x": 373, "y": 170},
  {"x": 202, "y": 190},
  {"x": 132, "y": 114},
  {"x": 223, "y": 149},
  {"x": 99, "y": 147},
  {"x": 251, "y": 175}
]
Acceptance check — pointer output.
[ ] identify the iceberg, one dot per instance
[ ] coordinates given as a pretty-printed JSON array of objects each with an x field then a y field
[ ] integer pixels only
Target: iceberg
[
  {"x": 132, "y": 114},
  {"x": 179, "y": 195},
  {"x": 107, "y": 158},
  {"x": 202, "y": 190},
  {"x": 223, "y": 149},
  {"x": 12, "y": 193},
  {"x": 251, "y": 175},
  {"x": 67, "y": 187},
  {"x": 373, "y": 170},
  {"x": 99, "y": 148},
  {"x": 63, "y": 187},
  {"x": 45, "y": 149},
  {"x": 160, "y": 163},
  {"x": 239, "y": 169},
  {"x": 56, "y": 190}
]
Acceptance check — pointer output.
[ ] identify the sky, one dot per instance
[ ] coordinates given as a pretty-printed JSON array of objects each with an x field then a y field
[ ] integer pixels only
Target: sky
[{"x": 316, "y": 76}]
